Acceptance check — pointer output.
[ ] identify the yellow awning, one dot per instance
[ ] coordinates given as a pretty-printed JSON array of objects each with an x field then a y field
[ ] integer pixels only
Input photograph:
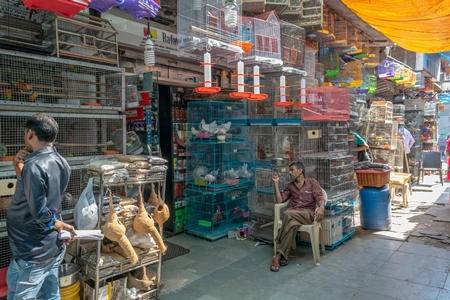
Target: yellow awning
[{"x": 415, "y": 25}]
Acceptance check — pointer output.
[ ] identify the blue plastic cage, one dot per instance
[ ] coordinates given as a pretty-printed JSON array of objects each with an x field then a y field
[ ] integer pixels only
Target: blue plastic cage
[{"x": 211, "y": 214}]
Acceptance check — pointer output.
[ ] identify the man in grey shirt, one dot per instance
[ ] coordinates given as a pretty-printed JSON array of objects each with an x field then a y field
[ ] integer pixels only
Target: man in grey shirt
[{"x": 34, "y": 216}]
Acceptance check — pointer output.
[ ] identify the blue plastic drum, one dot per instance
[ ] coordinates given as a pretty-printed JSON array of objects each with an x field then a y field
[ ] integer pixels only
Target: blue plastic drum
[{"x": 375, "y": 208}]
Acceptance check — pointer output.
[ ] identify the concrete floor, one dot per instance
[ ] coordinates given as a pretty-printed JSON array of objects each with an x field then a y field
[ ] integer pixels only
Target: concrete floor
[{"x": 373, "y": 265}]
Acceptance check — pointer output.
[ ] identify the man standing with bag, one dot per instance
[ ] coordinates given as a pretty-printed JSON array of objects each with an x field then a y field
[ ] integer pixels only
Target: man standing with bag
[{"x": 33, "y": 220}]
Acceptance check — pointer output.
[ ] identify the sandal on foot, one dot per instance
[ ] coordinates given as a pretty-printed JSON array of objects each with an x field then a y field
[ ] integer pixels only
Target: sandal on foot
[
  {"x": 284, "y": 262},
  {"x": 275, "y": 266}
]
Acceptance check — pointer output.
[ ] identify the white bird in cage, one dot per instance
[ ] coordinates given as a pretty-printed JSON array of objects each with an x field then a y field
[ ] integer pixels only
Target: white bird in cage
[
  {"x": 194, "y": 131},
  {"x": 286, "y": 144}
]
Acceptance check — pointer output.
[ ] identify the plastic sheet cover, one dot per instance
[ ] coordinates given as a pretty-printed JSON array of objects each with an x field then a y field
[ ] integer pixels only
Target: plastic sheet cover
[{"x": 415, "y": 25}]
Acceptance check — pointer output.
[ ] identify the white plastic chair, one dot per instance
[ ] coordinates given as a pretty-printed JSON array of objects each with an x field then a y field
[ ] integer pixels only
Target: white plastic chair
[{"x": 314, "y": 230}]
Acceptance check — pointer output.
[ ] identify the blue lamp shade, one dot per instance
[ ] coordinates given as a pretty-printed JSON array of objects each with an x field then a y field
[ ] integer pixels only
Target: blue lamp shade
[
  {"x": 140, "y": 8},
  {"x": 65, "y": 8},
  {"x": 104, "y": 5}
]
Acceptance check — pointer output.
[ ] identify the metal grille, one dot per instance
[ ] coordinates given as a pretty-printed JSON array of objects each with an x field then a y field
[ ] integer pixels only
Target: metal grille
[
  {"x": 26, "y": 78},
  {"x": 79, "y": 135},
  {"x": 324, "y": 140},
  {"x": 264, "y": 137}
]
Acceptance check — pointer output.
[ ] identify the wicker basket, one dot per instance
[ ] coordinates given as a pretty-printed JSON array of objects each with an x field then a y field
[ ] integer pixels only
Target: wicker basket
[{"x": 373, "y": 178}]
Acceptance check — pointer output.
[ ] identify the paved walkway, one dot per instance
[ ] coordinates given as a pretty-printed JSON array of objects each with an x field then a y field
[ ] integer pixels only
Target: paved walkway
[{"x": 381, "y": 265}]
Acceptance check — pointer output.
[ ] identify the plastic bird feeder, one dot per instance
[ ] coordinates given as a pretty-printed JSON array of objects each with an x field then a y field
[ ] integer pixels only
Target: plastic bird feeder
[
  {"x": 240, "y": 85},
  {"x": 257, "y": 96},
  {"x": 207, "y": 89},
  {"x": 65, "y": 8},
  {"x": 104, "y": 5},
  {"x": 283, "y": 94}
]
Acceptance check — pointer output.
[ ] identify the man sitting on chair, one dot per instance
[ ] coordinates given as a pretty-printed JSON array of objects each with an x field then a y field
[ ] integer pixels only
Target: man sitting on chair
[{"x": 305, "y": 195}]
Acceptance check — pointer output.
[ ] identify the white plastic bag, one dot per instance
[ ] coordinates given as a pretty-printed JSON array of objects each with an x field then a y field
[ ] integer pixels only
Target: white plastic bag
[{"x": 86, "y": 210}]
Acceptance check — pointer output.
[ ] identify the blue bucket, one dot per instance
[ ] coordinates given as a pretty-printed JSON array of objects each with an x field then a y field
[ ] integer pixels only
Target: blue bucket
[{"x": 375, "y": 209}]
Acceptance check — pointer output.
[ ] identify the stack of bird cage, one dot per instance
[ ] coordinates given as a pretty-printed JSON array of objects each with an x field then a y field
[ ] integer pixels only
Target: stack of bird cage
[
  {"x": 381, "y": 111},
  {"x": 262, "y": 112},
  {"x": 324, "y": 150},
  {"x": 287, "y": 139},
  {"x": 327, "y": 103},
  {"x": 260, "y": 41},
  {"x": 310, "y": 61}
]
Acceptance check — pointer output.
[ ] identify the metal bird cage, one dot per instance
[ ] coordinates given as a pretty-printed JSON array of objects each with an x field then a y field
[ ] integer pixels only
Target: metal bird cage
[
  {"x": 212, "y": 26},
  {"x": 310, "y": 60},
  {"x": 327, "y": 104},
  {"x": 261, "y": 35},
  {"x": 292, "y": 45},
  {"x": 264, "y": 138}
]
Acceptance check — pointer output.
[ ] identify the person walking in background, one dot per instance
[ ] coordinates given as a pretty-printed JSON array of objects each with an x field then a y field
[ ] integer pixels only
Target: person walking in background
[
  {"x": 362, "y": 148},
  {"x": 34, "y": 216},
  {"x": 447, "y": 153},
  {"x": 408, "y": 142}
]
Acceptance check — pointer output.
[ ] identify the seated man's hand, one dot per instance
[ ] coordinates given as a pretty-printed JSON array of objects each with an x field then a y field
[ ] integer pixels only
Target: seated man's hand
[
  {"x": 319, "y": 214},
  {"x": 275, "y": 178}
]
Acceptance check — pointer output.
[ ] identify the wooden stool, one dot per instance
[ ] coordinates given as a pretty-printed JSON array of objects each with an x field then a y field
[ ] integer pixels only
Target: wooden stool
[{"x": 404, "y": 188}]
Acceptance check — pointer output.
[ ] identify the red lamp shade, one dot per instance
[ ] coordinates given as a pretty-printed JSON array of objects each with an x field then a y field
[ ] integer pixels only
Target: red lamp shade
[{"x": 65, "y": 8}]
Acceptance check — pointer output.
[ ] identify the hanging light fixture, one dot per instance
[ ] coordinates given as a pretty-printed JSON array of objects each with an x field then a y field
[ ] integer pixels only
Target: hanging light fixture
[
  {"x": 257, "y": 96},
  {"x": 231, "y": 15},
  {"x": 240, "y": 76},
  {"x": 197, "y": 4},
  {"x": 149, "y": 52},
  {"x": 207, "y": 88},
  {"x": 283, "y": 94}
]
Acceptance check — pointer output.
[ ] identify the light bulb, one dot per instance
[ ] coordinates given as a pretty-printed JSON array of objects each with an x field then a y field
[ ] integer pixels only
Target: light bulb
[
  {"x": 197, "y": 4},
  {"x": 149, "y": 53},
  {"x": 231, "y": 17}
]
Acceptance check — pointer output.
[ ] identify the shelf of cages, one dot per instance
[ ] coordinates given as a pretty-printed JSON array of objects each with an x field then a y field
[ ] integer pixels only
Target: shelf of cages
[
  {"x": 211, "y": 214},
  {"x": 381, "y": 135},
  {"x": 399, "y": 156},
  {"x": 260, "y": 41},
  {"x": 209, "y": 26},
  {"x": 220, "y": 165},
  {"x": 212, "y": 121},
  {"x": 414, "y": 105},
  {"x": 32, "y": 82},
  {"x": 324, "y": 140},
  {"x": 80, "y": 135},
  {"x": 264, "y": 138},
  {"x": 326, "y": 103},
  {"x": 415, "y": 155},
  {"x": 338, "y": 225}
]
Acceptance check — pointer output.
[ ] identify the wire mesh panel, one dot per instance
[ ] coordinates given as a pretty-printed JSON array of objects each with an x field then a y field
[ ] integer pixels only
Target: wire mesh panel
[
  {"x": 262, "y": 33},
  {"x": 261, "y": 112},
  {"x": 209, "y": 120},
  {"x": 79, "y": 135},
  {"x": 22, "y": 30},
  {"x": 310, "y": 60},
  {"x": 220, "y": 165},
  {"x": 327, "y": 103},
  {"x": 27, "y": 78},
  {"x": 209, "y": 26},
  {"x": 292, "y": 45},
  {"x": 264, "y": 138},
  {"x": 381, "y": 136},
  {"x": 287, "y": 139},
  {"x": 210, "y": 215},
  {"x": 311, "y": 13}
]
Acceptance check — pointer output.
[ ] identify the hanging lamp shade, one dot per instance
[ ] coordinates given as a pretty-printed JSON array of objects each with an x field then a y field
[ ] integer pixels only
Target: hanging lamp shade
[
  {"x": 104, "y": 5},
  {"x": 141, "y": 8},
  {"x": 65, "y": 8}
]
